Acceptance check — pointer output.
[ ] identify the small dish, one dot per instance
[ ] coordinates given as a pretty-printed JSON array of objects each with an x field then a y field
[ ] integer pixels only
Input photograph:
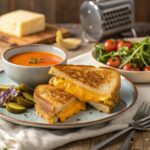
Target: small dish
[
  {"x": 128, "y": 96},
  {"x": 30, "y": 75},
  {"x": 134, "y": 76}
]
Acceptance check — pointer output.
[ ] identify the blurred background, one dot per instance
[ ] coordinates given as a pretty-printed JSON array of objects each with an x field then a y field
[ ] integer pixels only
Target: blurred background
[{"x": 66, "y": 11}]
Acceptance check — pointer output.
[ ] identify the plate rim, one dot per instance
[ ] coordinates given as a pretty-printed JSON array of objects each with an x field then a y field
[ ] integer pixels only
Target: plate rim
[{"x": 74, "y": 125}]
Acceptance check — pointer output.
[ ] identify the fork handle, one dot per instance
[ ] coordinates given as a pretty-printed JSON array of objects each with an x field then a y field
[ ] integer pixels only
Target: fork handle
[
  {"x": 110, "y": 139},
  {"x": 125, "y": 144}
]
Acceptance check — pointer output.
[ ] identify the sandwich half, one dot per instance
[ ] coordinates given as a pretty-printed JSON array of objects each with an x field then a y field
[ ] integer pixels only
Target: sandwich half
[
  {"x": 97, "y": 86},
  {"x": 54, "y": 104}
]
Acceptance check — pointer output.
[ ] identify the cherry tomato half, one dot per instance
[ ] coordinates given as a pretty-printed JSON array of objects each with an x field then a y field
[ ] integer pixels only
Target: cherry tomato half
[
  {"x": 129, "y": 67},
  {"x": 114, "y": 62},
  {"x": 147, "y": 68},
  {"x": 110, "y": 45},
  {"x": 122, "y": 43}
]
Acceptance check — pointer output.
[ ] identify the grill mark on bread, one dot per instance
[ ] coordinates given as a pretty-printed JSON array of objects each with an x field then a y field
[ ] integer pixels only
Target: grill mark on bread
[
  {"x": 55, "y": 99},
  {"x": 88, "y": 76},
  {"x": 57, "y": 95},
  {"x": 110, "y": 76},
  {"x": 60, "y": 96}
]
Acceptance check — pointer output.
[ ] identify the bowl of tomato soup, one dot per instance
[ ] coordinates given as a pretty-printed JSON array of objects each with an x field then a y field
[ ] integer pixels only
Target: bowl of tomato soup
[{"x": 30, "y": 64}]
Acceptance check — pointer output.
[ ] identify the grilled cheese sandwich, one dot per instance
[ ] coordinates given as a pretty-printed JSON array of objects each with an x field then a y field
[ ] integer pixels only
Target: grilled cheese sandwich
[
  {"x": 54, "y": 104},
  {"x": 82, "y": 93},
  {"x": 97, "y": 86}
]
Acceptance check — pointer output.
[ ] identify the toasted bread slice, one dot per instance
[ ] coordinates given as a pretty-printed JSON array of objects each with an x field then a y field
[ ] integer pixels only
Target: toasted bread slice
[
  {"x": 105, "y": 107},
  {"x": 101, "y": 81},
  {"x": 53, "y": 104}
]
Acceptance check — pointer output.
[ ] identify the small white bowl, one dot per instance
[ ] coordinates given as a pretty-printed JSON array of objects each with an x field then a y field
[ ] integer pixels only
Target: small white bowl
[
  {"x": 30, "y": 75},
  {"x": 134, "y": 76}
]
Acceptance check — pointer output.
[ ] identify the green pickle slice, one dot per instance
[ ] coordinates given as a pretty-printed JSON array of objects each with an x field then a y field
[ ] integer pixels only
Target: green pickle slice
[
  {"x": 13, "y": 107},
  {"x": 28, "y": 96},
  {"x": 24, "y": 102},
  {"x": 26, "y": 88},
  {"x": 3, "y": 87}
]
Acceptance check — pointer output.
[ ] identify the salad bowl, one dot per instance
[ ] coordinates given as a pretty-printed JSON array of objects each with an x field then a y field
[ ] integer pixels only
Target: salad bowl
[{"x": 132, "y": 75}]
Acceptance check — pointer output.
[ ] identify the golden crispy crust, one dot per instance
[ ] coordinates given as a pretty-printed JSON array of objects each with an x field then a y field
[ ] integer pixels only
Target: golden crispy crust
[
  {"x": 105, "y": 107},
  {"x": 102, "y": 80},
  {"x": 51, "y": 99},
  {"x": 82, "y": 73}
]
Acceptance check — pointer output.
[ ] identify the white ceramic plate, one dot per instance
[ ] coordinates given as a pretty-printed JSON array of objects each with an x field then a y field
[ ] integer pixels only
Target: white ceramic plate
[{"x": 128, "y": 95}]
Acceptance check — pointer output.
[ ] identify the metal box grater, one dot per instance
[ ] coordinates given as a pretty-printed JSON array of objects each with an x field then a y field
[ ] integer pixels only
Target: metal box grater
[{"x": 101, "y": 18}]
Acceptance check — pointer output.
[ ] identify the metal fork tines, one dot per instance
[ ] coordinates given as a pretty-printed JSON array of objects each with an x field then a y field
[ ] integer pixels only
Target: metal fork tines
[
  {"x": 141, "y": 121},
  {"x": 143, "y": 111}
]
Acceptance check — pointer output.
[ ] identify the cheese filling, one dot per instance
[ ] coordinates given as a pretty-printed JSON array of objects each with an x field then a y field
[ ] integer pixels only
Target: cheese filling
[
  {"x": 71, "y": 109},
  {"x": 81, "y": 93}
]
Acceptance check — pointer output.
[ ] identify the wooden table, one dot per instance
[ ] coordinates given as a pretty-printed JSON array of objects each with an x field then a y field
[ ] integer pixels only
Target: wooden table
[{"x": 142, "y": 139}]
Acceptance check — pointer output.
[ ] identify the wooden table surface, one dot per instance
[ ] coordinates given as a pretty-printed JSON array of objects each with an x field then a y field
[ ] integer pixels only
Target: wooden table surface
[{"x": 141, "y": 140}]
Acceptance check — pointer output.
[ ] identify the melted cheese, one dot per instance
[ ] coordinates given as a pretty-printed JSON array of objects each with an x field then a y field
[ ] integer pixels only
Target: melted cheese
[
  {"x": 70, "y": 110},
  {"x": 81, "y": 93},
  {"x": 67, "y": 112}
]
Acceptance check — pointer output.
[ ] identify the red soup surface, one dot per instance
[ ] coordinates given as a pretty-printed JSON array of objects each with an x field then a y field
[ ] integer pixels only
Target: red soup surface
[{"x": 35, "y": 59}]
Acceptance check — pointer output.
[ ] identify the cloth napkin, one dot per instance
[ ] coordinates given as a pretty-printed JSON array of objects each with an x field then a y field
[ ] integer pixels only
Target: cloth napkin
[{"x": 17, "y": 137}]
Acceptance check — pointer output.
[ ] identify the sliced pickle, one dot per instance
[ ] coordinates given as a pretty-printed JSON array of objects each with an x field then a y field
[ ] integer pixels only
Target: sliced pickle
[
  {"x": 17, "y": 87},
  {"x": 28, "y": 96},
  {"x": 14, "y": 99},
  {"x": 25, "y": 88},
  {"x": 24, "y": 102},
  {"x": 4, "y": 87},
  {"x": 13, "y": 107}
]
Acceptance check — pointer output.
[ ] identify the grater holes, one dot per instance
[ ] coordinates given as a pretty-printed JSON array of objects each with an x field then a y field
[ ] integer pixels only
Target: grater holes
[
  {"x": 116, "y": 18},
  {"x": 119, "y": 14}
]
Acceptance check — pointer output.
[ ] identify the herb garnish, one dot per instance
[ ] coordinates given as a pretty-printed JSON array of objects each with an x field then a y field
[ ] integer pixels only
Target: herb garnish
[{"x": 35, "y": 60}]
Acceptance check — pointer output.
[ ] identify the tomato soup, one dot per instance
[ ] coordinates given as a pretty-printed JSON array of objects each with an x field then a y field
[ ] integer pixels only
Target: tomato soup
[{"x": 35, "y": 59}]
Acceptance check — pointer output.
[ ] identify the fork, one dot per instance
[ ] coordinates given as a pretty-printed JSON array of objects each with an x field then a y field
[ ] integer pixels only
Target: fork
[
  {"x": 141, "y": 122},
  {"x": 125, "y": 144}
]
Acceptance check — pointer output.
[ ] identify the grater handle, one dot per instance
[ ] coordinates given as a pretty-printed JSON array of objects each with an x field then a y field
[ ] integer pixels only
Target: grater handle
[{"x": 133, "y": 32}]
